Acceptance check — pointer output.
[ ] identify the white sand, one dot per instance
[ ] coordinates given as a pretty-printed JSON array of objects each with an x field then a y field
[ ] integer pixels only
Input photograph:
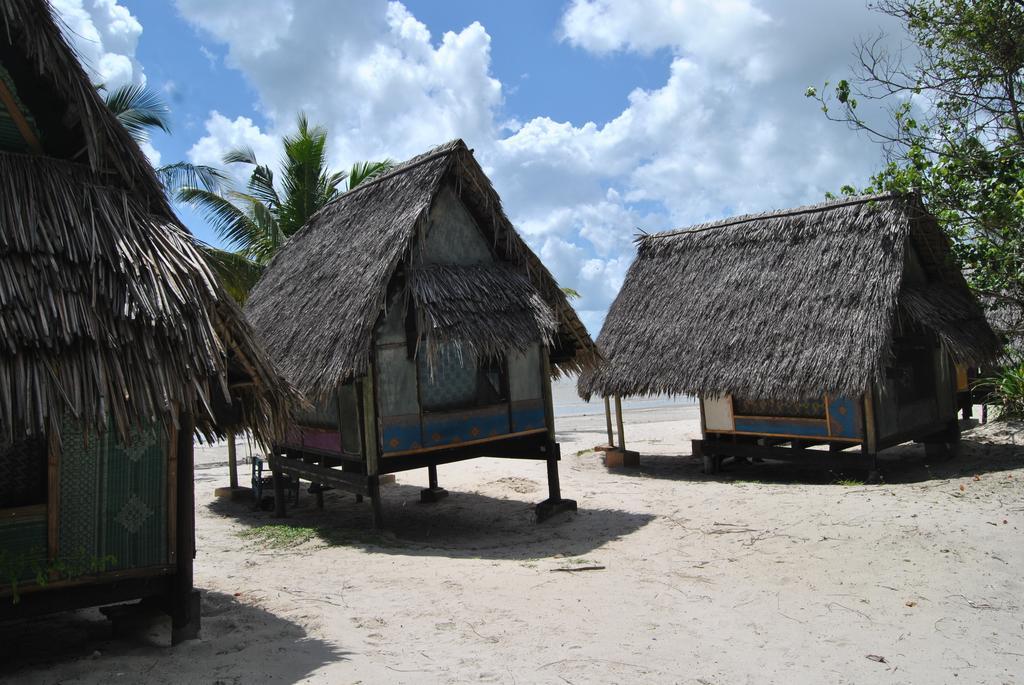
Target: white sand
[{"x": 765, "y": 573}]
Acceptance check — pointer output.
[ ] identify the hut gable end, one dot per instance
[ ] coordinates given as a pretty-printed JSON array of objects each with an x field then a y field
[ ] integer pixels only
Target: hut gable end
[
  {"x": 436, "y": 225},
  {"x": 452, "y": 235},
  {"x": 788, "y": 305}
]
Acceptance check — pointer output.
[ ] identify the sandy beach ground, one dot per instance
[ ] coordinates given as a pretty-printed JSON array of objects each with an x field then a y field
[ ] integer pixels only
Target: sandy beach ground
[{"x": 765, "y": 573}]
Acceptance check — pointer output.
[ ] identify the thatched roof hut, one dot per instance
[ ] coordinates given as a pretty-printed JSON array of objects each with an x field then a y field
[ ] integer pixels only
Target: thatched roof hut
[
  {"x": 108, "y": 312},
  {"x": 789, "y": 305},
  {"x": 423, "y": 328},
  {"x": 337, "y": 269},
  {"x": 119, "y": 345}
]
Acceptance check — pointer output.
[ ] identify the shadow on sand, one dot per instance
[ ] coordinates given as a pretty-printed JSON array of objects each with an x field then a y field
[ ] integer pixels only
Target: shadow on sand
[
  {"x": 901, "y": 464},
  {"x": 462, "y": 525},
  {"x": 239, "y": 643}
]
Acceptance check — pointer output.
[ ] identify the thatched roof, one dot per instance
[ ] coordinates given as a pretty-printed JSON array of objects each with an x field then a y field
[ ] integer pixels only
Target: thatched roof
[
  {"x": 488, "y": 308},
  {"x": 316, "y": 305},
  {"x": 786, "y": 305},
  {"x": 108, "y": 311}
]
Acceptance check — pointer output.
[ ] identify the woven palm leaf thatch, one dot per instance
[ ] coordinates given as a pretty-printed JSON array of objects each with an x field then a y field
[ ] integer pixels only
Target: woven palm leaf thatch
[
  {"x": 108, "y": 311},
  {"x": 34, "y": 40},
  {"x": 783, "y": 306},
  {"x": 954, "y": 315},
  {"x": 487, "y": 308},
  {"x": 316, "y": 305}
]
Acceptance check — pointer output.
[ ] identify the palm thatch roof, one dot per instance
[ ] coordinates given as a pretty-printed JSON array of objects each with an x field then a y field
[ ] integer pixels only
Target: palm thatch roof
[
  {"x": 488, "y": 308},
  {"x": 108, "y": 312},
  {"x": 786, "y": 305},
  {"x": 316, "y": 305}
]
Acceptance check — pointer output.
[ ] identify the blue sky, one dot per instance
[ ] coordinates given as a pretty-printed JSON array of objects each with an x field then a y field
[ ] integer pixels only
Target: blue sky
[{"x": 593, "y": 117}]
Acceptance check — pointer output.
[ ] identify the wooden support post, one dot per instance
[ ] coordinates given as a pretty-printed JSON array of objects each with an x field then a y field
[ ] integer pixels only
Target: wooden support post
[
  {"x": 433, "y": 493},
  {"x": 619, "y": 455},
  {"x": 869, "y": 447},
  {"x": 874, "y": 476},
  {"x": 371, "y": 448},
  {"x": 554, "y": 485},
  {"x": 184, "y": 600},
  {"x": 280, "y": 506},
  {"x": 554, "y": 504},
  {"x": 608, "y": 421},
  {"x": 373, "y": 485},
  {"x": 618, "y": 419},
  {"x": 232, "y": 460}
]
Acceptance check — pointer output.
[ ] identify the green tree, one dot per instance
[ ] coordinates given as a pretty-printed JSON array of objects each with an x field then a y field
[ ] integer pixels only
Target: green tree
[
  {"x": 954, "y": 127},
  {"x": 141, "y": 111},
  {"x": 256, "y": 221}
]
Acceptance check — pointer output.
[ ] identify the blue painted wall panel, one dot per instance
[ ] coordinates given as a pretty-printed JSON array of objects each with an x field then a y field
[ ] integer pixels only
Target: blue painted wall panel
[
  {"x": 452, "y": 428},
  {"x": 401, "y": 433},
  {"x": 527, "y": 415},
  {"x": 782, "y": 426},
  {"x": 845, "y": 417}
]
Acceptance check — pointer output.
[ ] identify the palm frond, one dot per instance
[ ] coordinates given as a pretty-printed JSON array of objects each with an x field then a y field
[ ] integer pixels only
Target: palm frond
[
  {"x": 237, "y": 273},
  {"x": 179, "y": 175},
  {"x": 307, "y": 184},
  {"x": 139, "y": 109},
  {"x": 271, "y": 237},
  {"x": 261, "y": 186},
  {"x": 240, "y": 155},
  {"x": 232, "y": 224},
  {"x": 364, "y": 171},
  {"x": 571, "y": 293}
]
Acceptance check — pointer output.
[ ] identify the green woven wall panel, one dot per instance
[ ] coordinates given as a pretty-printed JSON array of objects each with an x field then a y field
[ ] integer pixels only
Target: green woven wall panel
[
  {"x": 114, "y": 497},
  {"x": 135, "y": 500},
  {"x": 80, "y": 467},
  {"x": 22, "y": 548}
]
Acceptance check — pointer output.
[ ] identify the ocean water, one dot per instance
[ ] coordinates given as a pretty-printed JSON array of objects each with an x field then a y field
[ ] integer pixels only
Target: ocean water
[{"x": 568, "y": 403}]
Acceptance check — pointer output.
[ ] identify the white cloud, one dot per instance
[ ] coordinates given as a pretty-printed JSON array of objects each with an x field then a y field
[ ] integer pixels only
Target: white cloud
[
  {"x": 210, "y": 56},
  {"x": 105, "y": 35},
  {"x": 719, "y": 30},
  {"x": 368, "y": 69},
  {"x": 223, "y": 134},
  {"x": 729, "y": 130},
  {"x": 152, "y": 154}
]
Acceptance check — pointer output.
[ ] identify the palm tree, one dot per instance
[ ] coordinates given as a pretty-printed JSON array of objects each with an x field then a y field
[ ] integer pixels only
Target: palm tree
[
  {"x": 141, "y": 110},
  {"x": 256, "y": 222}
]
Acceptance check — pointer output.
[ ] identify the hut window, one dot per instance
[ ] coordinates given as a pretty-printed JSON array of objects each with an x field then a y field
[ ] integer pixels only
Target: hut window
[
  {"x": 23, "y": 473},
  {"x": 456, "y": 379}
]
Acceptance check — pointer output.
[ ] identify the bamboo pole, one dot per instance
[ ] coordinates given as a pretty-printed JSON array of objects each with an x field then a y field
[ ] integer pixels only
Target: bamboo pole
[
  {"x": 608, "y": 420},
  {"x": 232, "y": 460},
  {"x": 618, "y": 418}
]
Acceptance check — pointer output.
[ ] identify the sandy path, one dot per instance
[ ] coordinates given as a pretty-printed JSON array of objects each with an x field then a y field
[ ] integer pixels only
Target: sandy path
[{"x": 766, "y": 573}]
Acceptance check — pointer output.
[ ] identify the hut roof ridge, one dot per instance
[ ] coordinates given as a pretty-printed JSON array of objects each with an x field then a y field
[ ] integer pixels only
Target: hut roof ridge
[
  {"x": 771, "y": 214},
  {"x": 406, "y": 166}
]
